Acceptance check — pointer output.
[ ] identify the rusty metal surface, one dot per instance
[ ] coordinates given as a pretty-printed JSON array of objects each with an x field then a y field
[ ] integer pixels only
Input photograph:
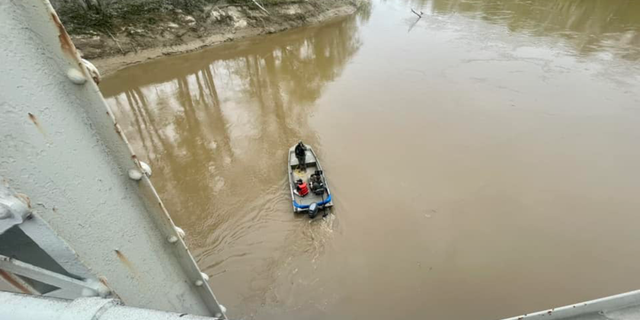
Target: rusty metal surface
[
  {"x": 15, "y": 283},
  {"x": 62, "y": 147}
]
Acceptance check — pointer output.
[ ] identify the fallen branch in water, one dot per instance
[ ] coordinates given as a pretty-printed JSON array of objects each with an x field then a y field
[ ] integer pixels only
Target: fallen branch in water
[{"x": 417, "y": 14}]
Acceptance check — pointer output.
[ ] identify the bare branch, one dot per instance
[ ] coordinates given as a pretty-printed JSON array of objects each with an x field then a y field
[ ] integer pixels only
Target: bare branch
[
  {"x": 260, "y": 6},
  {"x": 116, "y": 41},
  {"x": 417, "y": 14}
]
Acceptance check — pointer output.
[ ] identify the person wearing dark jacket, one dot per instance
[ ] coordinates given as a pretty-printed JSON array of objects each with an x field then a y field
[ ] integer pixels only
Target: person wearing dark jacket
[{"x": 301, "y": 155}]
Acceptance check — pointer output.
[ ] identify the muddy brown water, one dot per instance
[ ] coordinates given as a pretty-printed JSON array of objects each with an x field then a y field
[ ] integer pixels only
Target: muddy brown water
[{"x": 484, "y": 159}]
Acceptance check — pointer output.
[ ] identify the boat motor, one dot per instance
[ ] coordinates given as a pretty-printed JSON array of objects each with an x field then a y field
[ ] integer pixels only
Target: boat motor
[{"x": 313, "y": 210}]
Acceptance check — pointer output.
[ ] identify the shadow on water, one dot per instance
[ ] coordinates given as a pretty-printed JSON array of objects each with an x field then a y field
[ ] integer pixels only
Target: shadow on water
[
  {"x": 215, "y": 127},
  {"x": 589, "y": 26}
]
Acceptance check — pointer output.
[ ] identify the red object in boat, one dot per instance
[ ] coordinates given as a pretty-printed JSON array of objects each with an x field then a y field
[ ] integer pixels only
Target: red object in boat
[{"x": 302, "y": 188}]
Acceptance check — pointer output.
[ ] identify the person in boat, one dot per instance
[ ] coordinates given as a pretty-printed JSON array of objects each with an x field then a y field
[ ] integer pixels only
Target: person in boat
[
  {"x": 301, "y": 155},
  {"x": 301, "y": 188}
]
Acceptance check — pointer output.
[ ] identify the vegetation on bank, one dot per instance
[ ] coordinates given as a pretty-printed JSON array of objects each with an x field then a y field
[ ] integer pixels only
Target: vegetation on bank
[
  {"x": 107, "y": 28},
  {"x": 89, "y": 16}
]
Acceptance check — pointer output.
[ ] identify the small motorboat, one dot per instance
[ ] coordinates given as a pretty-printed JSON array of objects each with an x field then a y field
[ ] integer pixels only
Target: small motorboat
[{"x": 309, "y": 188}]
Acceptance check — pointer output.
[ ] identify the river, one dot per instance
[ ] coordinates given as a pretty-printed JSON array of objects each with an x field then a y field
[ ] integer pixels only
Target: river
[{"x": 484, "y": 159}]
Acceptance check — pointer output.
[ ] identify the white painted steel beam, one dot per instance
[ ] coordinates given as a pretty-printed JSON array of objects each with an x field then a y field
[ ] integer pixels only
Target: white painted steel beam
[
  {"x": 79, "y": 287},
  {"x": 13, "y": 210},
  {"x": 26, "y": 307},
  {"x": 625, "y": 306},
  {"x": 63, "y": 150}
]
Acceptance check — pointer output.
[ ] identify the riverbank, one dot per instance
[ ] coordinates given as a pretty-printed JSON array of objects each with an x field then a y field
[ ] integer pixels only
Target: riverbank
[{"x": 151, "y": 29}]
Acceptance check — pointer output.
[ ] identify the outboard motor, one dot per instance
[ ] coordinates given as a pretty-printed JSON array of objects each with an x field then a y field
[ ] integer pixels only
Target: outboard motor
[{"x": 313, "y": 210}]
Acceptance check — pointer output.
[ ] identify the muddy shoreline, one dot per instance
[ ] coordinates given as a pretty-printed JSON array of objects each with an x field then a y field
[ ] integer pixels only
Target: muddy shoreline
[{"x": 180, "y": 32}]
